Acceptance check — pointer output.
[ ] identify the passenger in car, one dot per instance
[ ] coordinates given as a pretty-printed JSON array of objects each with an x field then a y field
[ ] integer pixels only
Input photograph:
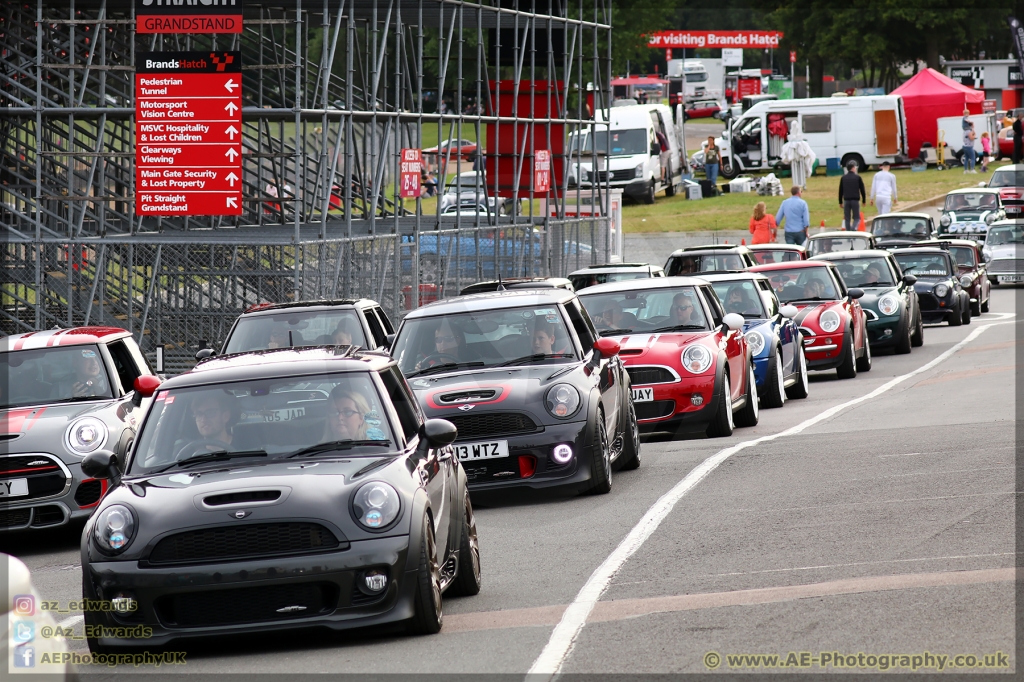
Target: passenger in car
[
  {"x": 347, "y": 416},
  {"x": 90, "y": 379}
]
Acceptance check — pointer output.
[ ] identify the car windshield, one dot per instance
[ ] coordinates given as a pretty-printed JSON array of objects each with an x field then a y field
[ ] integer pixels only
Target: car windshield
[
  {"x": 592, "y": 278},
  {"x": 487, "y": 338},
  {"x": 865, "y": 272},
  {"x": 890, "y": 226},
  {"x": 963, "y": 255},
  {"x": 293, "y": 328},
  {"x": 741, "y": 297},
  {"x": 49, "y": 375},
  {"x": 621, "y": 142},
  {"x": 703, "y": 262},
  {"x": 764, "y": 256},
  {"x": 833, "y": 244},
  {"x": 923, "y": 264},
  {"x": 696, "y": 76},
  {"x": 974, "y": 201},
  {"x": 465, "y": 182},
  {"x": 272, "y": 418},
  {"x": 803, "y": 284},
  {"x": 1007, "y": 178},
  {"x": 647, "y": 310},
  {"x": 1005, "y": 234}
]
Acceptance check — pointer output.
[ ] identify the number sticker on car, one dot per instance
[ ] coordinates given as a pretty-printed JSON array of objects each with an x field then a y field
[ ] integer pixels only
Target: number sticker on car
[
  {"x": 15, "y": 487},
  {"x": 469, "y": 452},
  {"x": 643, "y": 395}
]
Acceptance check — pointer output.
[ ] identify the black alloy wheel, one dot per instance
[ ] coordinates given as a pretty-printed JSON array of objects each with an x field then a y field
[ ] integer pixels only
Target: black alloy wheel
[
  {"x": 428, "y": 616},
  {"x": 630, "y": 458},
  {"x": 601, "y": 467},
  {"x": 469, "y": 578},
  {"x": 917, "y": 338}
]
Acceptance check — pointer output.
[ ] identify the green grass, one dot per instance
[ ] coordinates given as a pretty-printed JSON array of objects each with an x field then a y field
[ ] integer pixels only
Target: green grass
[
  {"x": 706, "y": 120},
  {"x": 733, "y": 211}
]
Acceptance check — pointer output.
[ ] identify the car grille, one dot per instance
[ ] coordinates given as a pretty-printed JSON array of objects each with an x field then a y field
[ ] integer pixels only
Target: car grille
[
  {"x": 14, "y": 518},
  {"x": 47, "y": 515},
  {"x": 45, "y": 477},
  {"x": 477, "y": 426},
  {"x": 237, "y": 543},
  {"x": 655, "y": 409},
  {"x": 617, "y": 176},
  {"x": 1007, "y": 266},
  {"x": 88, "y": 493},
  {"x": 247, "y": 605},
  {"x": 650, "y": 375},
  {"x": 491, "y": 471}
]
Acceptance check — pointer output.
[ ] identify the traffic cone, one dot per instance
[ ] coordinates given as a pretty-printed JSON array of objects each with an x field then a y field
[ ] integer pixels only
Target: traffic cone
[
  {"x": 821, "y": 228},
  {"x": 743, "y": 242},
  {"x": 726, "y": 241},
  {"x": 861, "y": 227}
]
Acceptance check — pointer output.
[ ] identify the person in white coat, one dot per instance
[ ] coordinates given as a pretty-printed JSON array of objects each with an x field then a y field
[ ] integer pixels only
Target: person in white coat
[
  {"x": 799, "y": 155},
  {"x": 883, "y": 189}
]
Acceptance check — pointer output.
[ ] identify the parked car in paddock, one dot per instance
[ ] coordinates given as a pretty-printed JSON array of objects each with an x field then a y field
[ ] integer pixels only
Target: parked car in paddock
[
  {"x": 1004, "y": 252},
  {"x": 295, "y": 488},
  {"x": 969, "y": 211},
  {"x": 705, "y": 108},
  {"x": 902, "y": 228},
  {"x": 1009, "y": 181},
  {"x": 22, "y": 646},
  {"x": 343, "y": 322},
  {"x": 776, "y": 346},
  {"x": 831, "y": 320},
  {"x": 688, "y": 362},
  {"x": 540, "y": 400},
  {"x": 613, "y": 272},
  {"x": 64, "y": 393},
  {"x": 938, "y": 287},
  {"x": 972, "y": 270},
  {"x": 839, "y": 240},
  {"x": 890, "y": 301},
  {"x": 777, "y": 253},
  {"x": 712, "y": 258},
  {"x": 518, "y": 283}
]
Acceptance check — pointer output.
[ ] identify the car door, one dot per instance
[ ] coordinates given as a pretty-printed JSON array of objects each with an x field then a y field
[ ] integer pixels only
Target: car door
[
  {"x": 729, "y": 342},
  {"x": 853, "y": 309},
  {"x": 784, "y": 326}
]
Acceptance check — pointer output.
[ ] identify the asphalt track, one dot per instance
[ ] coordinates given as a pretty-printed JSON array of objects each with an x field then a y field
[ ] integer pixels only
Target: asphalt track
[{"x": 884, "y": 527}]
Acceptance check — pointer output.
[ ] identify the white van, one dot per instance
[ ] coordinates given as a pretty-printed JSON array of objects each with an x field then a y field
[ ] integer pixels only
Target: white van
[
  {"x": 641, "y": 147},
  {"x": 952, "y": 128},
  {"x": 867, "y": 130}
]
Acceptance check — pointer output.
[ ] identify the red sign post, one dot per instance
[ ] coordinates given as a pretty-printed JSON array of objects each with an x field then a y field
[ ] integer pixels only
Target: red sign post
[
  {"x": 541, "y": 171},
  {"x": 792, "y": 56},
  {"x": 409, "y": 173},
  {"x": 188, "y": 133},
  {"x": 188, "y": 16}
]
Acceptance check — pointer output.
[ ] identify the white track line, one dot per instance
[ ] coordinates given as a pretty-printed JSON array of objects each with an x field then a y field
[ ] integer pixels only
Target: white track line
[{"x": 575, "y": 616}]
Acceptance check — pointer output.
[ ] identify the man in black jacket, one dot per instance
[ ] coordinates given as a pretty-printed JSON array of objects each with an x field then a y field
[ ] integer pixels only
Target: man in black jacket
[
  {"x": 1018, "y": 139},
  {"x": 851, "y": 194}
]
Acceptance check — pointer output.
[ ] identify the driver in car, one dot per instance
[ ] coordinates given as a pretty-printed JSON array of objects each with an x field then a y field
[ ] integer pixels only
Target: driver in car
[
  {"x": 90, "y": 379},
  {"x": 212, "y": 412},
  {"x": 611, "y": 316},
  {"x": 736, "y": 301},
  {"x": 279, "y": 337},
  {"x": 682, "y": 310},
  {"x": 873, "y": 274},
  {"x": 544, "y": 339},
  {"x": 450, "y": 342},
  {"x": 814, "y": 288}
]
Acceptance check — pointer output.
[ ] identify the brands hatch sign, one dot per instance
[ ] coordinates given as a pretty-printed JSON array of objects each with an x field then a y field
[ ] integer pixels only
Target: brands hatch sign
[
  {"x": 693, "y": 39},
  {"x": 188, "y": 16}
]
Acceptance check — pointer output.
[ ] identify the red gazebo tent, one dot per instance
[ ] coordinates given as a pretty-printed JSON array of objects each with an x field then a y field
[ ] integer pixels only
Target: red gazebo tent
[{"x": 929, "y": 96}]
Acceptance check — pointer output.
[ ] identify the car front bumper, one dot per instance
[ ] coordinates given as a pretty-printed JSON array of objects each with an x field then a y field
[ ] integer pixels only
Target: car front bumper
[
  {"x": 877, "y": 335},
  {"x": 825, "y": 351},
  {"x": 673, "y": 408},
  {"x": 68, "y": 496}
]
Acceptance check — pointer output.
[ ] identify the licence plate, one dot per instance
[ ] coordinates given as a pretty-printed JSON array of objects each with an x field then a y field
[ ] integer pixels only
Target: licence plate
[
  {"x": 1013, "y": 209},
  {"x": 1011, "y": 278},
  {"x": 282, "y": 415},
  {"x": 494, "y": 449},
  {"x": 643, "y": 395},
  {"x": 15, "y": 487}
]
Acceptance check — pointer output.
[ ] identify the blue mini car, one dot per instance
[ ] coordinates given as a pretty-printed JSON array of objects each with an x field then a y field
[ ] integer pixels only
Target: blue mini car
[{"x": 780, "y": 368}]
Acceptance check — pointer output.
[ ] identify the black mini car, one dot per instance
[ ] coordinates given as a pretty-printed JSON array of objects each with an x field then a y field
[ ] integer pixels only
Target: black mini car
[
  {"x": 540, "y": 400},
  {"x": 941, "y": 296},
  {"x": 277, "y": 490},
  {"x": 713, "y": 258}
]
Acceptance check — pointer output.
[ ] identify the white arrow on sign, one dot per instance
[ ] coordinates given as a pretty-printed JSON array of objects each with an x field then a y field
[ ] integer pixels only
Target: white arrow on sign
[
  {"x": 231, "y": 153},
  {"x": 231, "y": 131},
  {"x": 231, "y": 202},
  {"x": 231, "y": 108},
  {"x": 231, "y": 85},
  {"x": 231, "y": 178}
]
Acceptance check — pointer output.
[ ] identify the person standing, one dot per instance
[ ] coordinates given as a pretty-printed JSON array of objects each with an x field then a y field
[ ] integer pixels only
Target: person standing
[
  {"x": 883, "y": 189},
  {"x": 986, "y": 151},
  {"x": 1018, "y": 139},
  {"x": 851, "y": 195},
  {"x": 969, "y": 154},
  {"x": 796, "y": 215},
  {"x": 762, "y": 225},
  {"x": 711, "y": 160}
]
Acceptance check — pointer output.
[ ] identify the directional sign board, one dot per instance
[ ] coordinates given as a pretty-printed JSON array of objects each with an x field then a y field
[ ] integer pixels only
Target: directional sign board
[
  {"x": 188, "y": 16},
  {"x": 188, "y": 133}
]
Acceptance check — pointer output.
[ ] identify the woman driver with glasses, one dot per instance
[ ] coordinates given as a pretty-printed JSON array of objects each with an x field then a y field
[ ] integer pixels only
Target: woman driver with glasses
[{"x": 347, "y": 412}]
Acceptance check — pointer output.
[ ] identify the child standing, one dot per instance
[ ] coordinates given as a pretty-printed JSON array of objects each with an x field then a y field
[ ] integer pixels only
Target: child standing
[{"x": 986, "y": 151}]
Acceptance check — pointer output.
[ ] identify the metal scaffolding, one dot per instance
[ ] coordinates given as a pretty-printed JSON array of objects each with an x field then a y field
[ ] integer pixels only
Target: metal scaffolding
[{"x": 332, "y": 90}]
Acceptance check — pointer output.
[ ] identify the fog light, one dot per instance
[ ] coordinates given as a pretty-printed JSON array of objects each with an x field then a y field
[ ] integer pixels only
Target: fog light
[
  {"x": 527, "y": 466},
  {"x": 124, "y": 602},
  {"x": 888, "y": 332},
  {"x": 562, "y": 453},
  {"x": 696, "y": 399},
  {"x": 375, "y": 580}
]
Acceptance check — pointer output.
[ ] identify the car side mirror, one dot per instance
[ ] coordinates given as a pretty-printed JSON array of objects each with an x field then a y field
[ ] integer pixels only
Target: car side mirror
[
  {"x": 607, "y": 348},
  {"x": 909, "y": 280},
  {"x": 855, "y": 293},
  {"x": 389, "y": 341},
  {"x": 102, "y": 464},
  {"x": 732, "y": 321},
  {"x": 790, "y": 311},
  {"x": 438, "y": 432},
  {"x": 204, "y": 353},
  {"x": 987, "y": 257},
  {"x": 145, "y": 386}
]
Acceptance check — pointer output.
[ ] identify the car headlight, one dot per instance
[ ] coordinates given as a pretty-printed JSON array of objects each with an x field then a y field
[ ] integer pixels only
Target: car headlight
[
  {"x": 829, "y": 321},
  {"x": 639, "y": 171},
  {"x": 966, "y": 281},
  {"x": 941, "y": 290},
  {"x": 114, "y": 528},
  {"x": 945, "y": 220},
  {"x": 86, "y": 435},
  {"x": 562, "y": 400},
  {"x": 696, "y": 359},
  {"x": 376, "y": 505},
  {"x": 990, "y": 218},
  {"x": 756, "y": 341},
  {"x": 888, "y": 305}
]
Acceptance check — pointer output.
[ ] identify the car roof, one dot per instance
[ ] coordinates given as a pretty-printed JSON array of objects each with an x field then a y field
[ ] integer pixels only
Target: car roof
[
  {"x": 846, "y": 255},
  {"x": 615, "y": 267},
  {"x": 775, "y": 247},
  {"x": 517, "y": 283},
  {"x": 903, "y": 214},
  {"x": 710, "y": 247},
  {"x": 75, "y": 336},
  {"x": 973, "y": 190},
  {"x": 262, "y": 308},
  {"x": 513, "y": 298},
  {"x": 1009, "y": 168},
  {"x": 1008, "y": 222},
  {"x": 840, "y": 234},
  {"x": 733, "y": 276},
  {"x": 920, "y": 249},
  {"x": 280, "y": 362},
  {"x": 951, "y": 242},
  {"x": 634, "y": 284},
  {"x": 788, "y": 265}
]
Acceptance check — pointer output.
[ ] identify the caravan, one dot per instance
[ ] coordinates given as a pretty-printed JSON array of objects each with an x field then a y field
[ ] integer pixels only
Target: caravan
[{"x": 867, "y": 130}]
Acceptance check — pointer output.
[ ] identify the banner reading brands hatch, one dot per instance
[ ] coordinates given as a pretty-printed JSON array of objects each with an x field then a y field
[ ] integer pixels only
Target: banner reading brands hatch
[
  {"x": 188, "y": 16},
  {"x": 1018, "y": 40},
  {"x": 741, "y": 39}
]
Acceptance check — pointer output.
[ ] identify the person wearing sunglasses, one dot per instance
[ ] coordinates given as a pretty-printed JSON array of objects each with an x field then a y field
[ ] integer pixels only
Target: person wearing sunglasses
[
  {"x": 212, "y": 413},
  {"x": 683, "y": 311},
  {"x": 346, "y": 415},
  {"x": 90, "y": 379}
]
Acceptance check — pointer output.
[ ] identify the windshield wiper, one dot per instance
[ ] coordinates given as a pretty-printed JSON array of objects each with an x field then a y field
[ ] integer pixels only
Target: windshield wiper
[
  {"x": 80, "y": 398},
  {"x": 216, "y": 456},
  {"x": 530, "y": 358},
  {"x": 443, "y": 368},
  {"x": 677, "y": 327},
  {"x": 614, "y": 332},
  {"x": 811, "y": 298},
  {"x": 335, "y": 445}
]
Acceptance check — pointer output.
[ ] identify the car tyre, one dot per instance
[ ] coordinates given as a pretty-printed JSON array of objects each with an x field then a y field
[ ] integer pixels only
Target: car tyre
[
  {"x": 727, "y": 170},
  {"x": 984, "y": 306},
  {"x": 631, "y": 448},
  {"x": 751, "y": 412},
  {"x": 848, "y": 368},
  {"x": 917, "y": 338},
  {"x": 967, "y": 310},
  {"x": 722, "y": 424},
  {"x": 775, "y": 391},
  {"x": 801, "y": 388},
  {"x": 956, "y": 317},
  {"x": 864, "y": 361},
  {"x": 976, "y": 308},
  {"x": 649, "y": 193},
  {"x": 906, "y": 341},
  {"x": 468, "y": 580},
  {"x": 428, "y": 615},
  {"x": 601, "y": 467}
]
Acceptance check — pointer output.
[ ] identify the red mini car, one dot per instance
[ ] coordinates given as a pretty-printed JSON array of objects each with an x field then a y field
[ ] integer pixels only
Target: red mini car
[
  {"x": 689, "y": 364},
  {"x": 832, "y": 322},
  {"x": 777, "y": 253},
  {"x": 701, "y": 109}
]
